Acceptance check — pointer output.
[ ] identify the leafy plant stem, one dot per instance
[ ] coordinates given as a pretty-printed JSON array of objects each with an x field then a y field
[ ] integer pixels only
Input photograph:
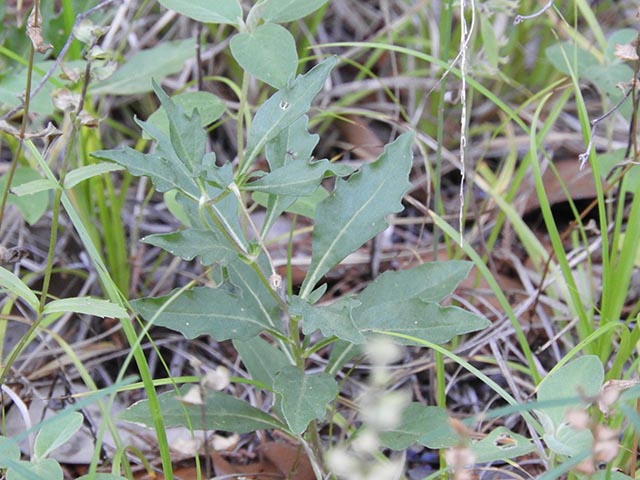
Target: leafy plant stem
[
  {"x": 234, "y": 188},
  {"x": 221, "y": 225},
  {"x": 242, "y": 121},
  {"x": 441, "y": 396},
  {"x": 316, "y": 447},
  {"x": 289, "y": 266}
]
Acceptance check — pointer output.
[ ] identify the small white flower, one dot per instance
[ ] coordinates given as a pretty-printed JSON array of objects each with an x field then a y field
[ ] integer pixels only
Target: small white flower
[
  {"x": 217, "y": 379},
  {"x": 342, "y": 463},
  {"x": 382, "y": 351},
  {"x": 366, "y": 442},
  {"x": 192, "y": 397}
]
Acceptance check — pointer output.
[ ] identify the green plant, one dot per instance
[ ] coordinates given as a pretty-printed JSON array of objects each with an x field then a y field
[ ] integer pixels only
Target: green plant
[{"x": 249, "y": 298}]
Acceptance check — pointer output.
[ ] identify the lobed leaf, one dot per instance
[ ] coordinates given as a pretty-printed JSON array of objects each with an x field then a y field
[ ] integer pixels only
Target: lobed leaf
[
  {"x": 357, "y": 209},
  {"x": 291, "y": 144},
  {"x": 161, "y": 170},
  {"x": 209, "y": 107},
  {"x": 195, "y": 242},
  {"x": 187, "y": 137},
  {"x": 209, "y": 311},
  {"x": 422, "y": 320},
  {"x": 298, "y": 178},
  {"x": 331, "y": 320},
  {"x": 429, "y": 282},
  {"x": 294, "y": 143},
  {"x": 304, "y": 396},
  {"x": 261, "y": 359},
  {"x": 286, "y": 106}
]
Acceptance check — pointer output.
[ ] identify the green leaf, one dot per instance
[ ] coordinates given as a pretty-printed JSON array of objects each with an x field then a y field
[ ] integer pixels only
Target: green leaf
[
  {"x": 331, "y": 320},
  {"x": 298, "y": 178},
  {"x": 305, "y": 206},
  {"x": 87, "y": 305},
  {"x": 282, "y": 11},
  {"x": 567, "y": 440},
  {"x": 580, "y": 378},
  {"x": 501, "y": 444},
  {"x": 268, "y": 53},
  {"x": 101, "y": 476},
  {"x": 47, "y": 469},
  {"x": 185, "y": 132},
  {"x": 421, "y": 422},
  {"x": 176, "y": 208},
  {"x": 429, "y": 282},
  {"x": 13, "y": 284},
  {"x": 608, "y": 77},
  {"x": 357, "y": 209},
  {"x": 193, "y": 242},
  {"x": 342, "y": 352},
  {"x": 286, "y": 106},
  {"x": 207, "y": 11},
  {"x": 209, "y": 107},
  {"x": 619, "y": 37},
  {"x": 294, "y": 143},
  {"x": 583, "y": 59},
  {"x": 74, "y": 177},
  {"x": 226, "y": 208},
  {"x": 422, "y": 320},
  {"x": 9, "y": 450},
  {"x": 261, "y": 359},
  {"x": 220, "y": 412},
  {"x": 255, "y": 292},
  {"x": 291, "y": 144},
  {"x": 154, "y": 63},
  {"x": 13, "y": 79},
  {"x": 34, "y": 186},
  {"x": 162, "y": 171},
  {"x": 304, "y": 396},
  {"x": 32, "y": 206},
  {"x": 56, "y": 433},
  {"x": 210, "y": 311}
]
